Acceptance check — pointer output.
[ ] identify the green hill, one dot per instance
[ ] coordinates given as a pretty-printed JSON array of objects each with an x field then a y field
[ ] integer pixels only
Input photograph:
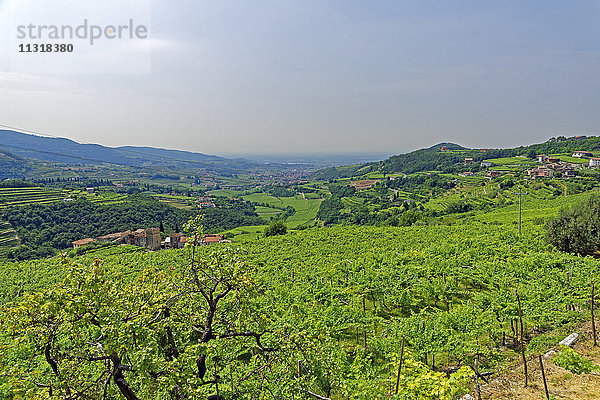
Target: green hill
[
  {"x": 451, "y": 160},
  {"x": 66, "y": 151}
]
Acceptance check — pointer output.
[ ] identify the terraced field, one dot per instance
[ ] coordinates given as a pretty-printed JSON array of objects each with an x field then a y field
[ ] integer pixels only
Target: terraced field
[
  {"x": 180, "y": 202},
  {"x": 267, "y": 212},
  {"x": 37, "y": 195},
  {"x": 533, "y": 208},
  {"x": 29, "y": 195},
  {"x": 107, "y": 198},
  {"x": 353, "y": 201},
  {"x": 8, "y": 236}
]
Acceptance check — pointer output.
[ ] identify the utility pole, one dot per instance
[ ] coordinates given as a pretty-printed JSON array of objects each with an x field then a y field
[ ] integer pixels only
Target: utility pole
[{"x": 520, "y": 194}]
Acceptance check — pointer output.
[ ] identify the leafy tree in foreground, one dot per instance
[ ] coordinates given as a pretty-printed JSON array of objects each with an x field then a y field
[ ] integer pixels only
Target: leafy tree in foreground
[
  {"x": 163, "y": 334},
  {"x": 577, "y": 229}
]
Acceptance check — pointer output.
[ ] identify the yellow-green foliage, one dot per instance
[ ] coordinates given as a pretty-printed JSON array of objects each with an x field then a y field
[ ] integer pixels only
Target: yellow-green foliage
[
  {"x": 571, "y": 360},
  {"x": 421, "y": 383},
  {"x": 448, "y": 290}
]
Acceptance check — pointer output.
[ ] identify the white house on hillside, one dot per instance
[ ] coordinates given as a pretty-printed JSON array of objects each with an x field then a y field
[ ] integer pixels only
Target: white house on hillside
[
  {"x": 581, "y": 154},
  {"x": 595, "y": 162}
]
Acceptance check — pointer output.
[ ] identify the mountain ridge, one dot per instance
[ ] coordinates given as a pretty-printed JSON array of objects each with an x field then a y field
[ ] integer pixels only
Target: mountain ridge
[{"x": 67, "y": 151}]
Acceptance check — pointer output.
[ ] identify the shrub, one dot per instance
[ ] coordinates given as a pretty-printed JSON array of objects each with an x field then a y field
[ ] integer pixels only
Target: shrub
[
  {"x": 577, "y": 230},
  {"x": 276, "y": 228},
  {"x": 570, "y": 360}
]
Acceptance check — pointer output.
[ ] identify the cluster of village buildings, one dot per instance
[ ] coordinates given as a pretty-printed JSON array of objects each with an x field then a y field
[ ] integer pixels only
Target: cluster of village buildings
[
  {"x": 149, "y": 238},
  {"x": 206, "y": 202},
  {"x": 552, "y": 166}
]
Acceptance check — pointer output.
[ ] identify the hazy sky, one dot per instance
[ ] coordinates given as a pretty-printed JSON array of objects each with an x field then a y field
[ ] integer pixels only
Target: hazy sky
[{"x": 268, "y": 76}]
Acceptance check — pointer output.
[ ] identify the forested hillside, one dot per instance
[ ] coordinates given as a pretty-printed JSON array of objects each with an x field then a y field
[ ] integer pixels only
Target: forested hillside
[{"x": 12, "y": 166}]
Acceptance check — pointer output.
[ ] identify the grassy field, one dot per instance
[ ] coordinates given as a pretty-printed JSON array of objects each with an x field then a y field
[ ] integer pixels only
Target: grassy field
[
  {"x": 306, "y": 211},
  {"x": 512, "y": 161},
  {"x": 306, "y": 208},
  {"x": 246, "y": 233},
  {"x": 568, "y": 158},
  {"x": 227, "y": 192},
  {"x": 265, "y": 198}
]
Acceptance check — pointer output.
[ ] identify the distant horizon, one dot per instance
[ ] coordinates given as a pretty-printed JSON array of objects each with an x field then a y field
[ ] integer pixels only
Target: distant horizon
[{"x": 267, "y": 157}]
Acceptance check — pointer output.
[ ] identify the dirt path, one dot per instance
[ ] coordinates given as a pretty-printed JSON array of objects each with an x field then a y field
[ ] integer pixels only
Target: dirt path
[
  {"x": 562, "y": 384},
  {"x": 564, "y": 188}
]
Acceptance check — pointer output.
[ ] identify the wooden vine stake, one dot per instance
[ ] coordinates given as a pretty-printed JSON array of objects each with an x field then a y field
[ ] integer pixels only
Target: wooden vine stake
[
  {"x": 522, "y": 339},
  {"x": 364, "y": 308},
  {"x": 593, "y": 321},
  {"x": 477, "y": 387},
  {"x": 400, "y": 365},
  {"x": 544, "y": 378}
]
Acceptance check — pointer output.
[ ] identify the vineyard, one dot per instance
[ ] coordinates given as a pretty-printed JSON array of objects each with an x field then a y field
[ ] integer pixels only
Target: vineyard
[
  {"x": 25, "y": 196},
  {"x": 28, "y": 195},
  {"x": 320, "y": 313},
  {"x": 8, "y": 236}
]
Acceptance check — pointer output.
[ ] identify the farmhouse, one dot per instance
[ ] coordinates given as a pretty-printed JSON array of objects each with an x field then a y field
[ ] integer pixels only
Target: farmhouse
[
  {"x": 209, "y": 239},
  {"x": 175, "y": 241},
  {"x": 581, "y": 154},
  {"x": 79, "y": 243},
  {"x": 540, "y": 172},
  {"x": 541, "y": 158},
  {"x": 148, "y": 238},
  {"x": 139, "y": 238},
  {"x": 594, "y": 162},
  {"x": 114, "y": 237},
  {"x": 468, "y": 161}
]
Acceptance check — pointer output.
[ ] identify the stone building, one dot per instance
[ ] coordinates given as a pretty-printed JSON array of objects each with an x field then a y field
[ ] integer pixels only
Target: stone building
[{"x": 153, "y": 239}]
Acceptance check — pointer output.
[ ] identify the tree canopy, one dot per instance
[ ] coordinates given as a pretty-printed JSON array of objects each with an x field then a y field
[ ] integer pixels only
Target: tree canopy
[
  {"x": 276, "y": 227},
  {"x": 577, "y": 229}
]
